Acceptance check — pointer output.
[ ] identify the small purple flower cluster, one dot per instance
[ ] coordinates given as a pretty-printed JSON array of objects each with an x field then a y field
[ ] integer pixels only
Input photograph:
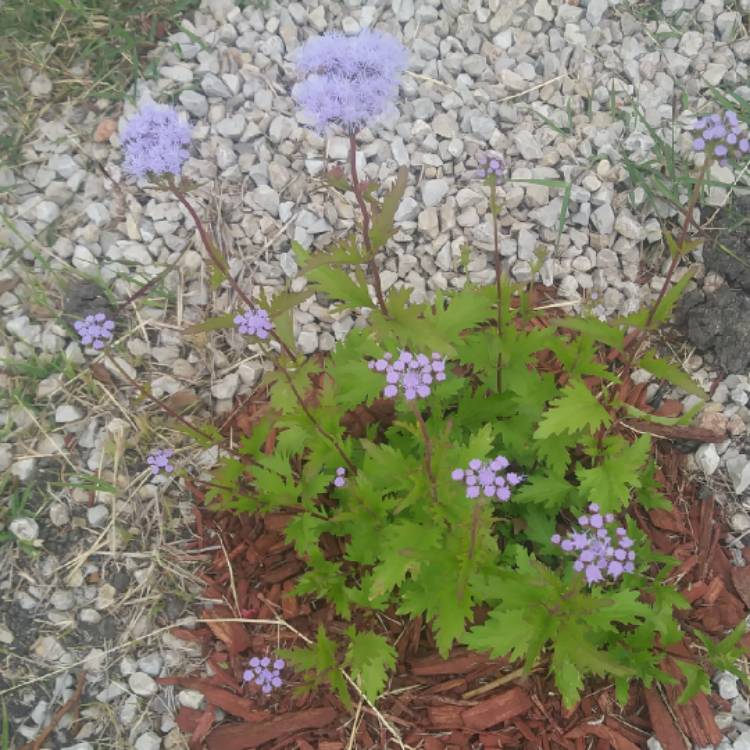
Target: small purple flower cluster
[
  {"x": 350, "y": 80},
  {"x": 414, "y": 373},
  {"x": 95, "y": 330},
  {"x": 726, "y": 134},
  {"x": 254, "y": 322},
  {"x": 486, "y": 478},
  {"x": 340, "y": 479},
  {"x": 597, "y": 554},
  {"x": 491, "y": 166},
  {"x": 259, "y": 673},
  {"x": 159, "y": 459},
  {"x": 155, "y": 141}
]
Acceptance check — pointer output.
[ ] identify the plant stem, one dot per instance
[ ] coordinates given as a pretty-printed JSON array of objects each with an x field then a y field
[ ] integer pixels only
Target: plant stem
[
  {"x": 218, "y": 261},
  {"x": 352, "y": 468},
  {"x": 498, "y": 279},
  {"x": 427, "y": 450},
  {"x": 681, "y": 241},
  {"x": 358, "y": 194},
  {"x": 163, "y": 405},
  {"x": 476, "y": 516}
]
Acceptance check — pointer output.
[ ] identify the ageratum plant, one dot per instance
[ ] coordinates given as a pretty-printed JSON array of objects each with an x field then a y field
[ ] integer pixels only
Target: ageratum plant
[{"x": 497, "y": 475}]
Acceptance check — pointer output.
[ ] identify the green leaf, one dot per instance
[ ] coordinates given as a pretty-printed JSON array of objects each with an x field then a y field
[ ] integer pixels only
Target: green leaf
[
  {"x": 369, "y": 658},
  {"x": 318, "y": 663},
  {"x": 552, "y": 492},
  {"x": 664, "y": 308},
  {"x": 383, "y": 219},
  {"x": 212, "y": 324},
  {"x": 666, "y": 371},
  {"x": 336, "y": 283},
  {"x": 575, "y": 410},
  {"x": 610, "y": 482},
  {"x": 506, "y": 631},
  {"x": 696, "y": 681},
  {"x": 597, "y": 329}
]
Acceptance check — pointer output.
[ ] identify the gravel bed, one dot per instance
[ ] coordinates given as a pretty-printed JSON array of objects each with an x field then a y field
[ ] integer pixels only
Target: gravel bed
[{"x": 94, "y": 571}]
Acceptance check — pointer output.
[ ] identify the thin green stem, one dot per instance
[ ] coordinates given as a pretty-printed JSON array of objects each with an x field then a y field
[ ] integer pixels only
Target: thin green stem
[
  {"x": 427, "y": 450},
  {"x": 359, "y": 195}
]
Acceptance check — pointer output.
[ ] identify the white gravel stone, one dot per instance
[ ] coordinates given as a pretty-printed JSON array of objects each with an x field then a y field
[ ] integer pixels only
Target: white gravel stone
[
  {"x": 148, "y": 741},
  {"x": 68, "y": 413},
  {"x": 308, "y": 341},
  {"x": 738, "y": 469},
  {"x": 97, "y": 515},
  {"x": 190, "y": 699},
  {"x": 196, "y": 104},
  {"x": 24, "y": 529},
  {"x": 707, "y": 458},
  {"x": 433, "y": 192},
  {"x": 226, "y": 387},
  {"x": 141, "y": 684}
]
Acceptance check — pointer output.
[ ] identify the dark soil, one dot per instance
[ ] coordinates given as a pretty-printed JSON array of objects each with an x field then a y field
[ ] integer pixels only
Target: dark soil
[{"x": 719, "y": 322}]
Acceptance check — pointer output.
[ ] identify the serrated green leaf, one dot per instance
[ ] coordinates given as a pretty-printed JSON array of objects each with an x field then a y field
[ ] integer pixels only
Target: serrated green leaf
[
  {"x": 382, "y": 220},
  {"x": 336, "y": 283},
  {"x": 597, "y": 329},
  {"x": 609, "y": 483},
  {"x": 212, "y": 324},
  {"x": 369, "y": 658},
  {"x": 506, "y": 631},
  {"x": 552, "y": 492},
  {"x": 576, "y": 409},
  {"x": 664, "y": 308},
  {"x": 697, "y": 681},
  {"x": 666, "y": 371}
]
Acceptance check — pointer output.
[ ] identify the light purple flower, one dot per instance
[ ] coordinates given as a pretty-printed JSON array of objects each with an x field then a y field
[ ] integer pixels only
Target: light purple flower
[
  {"x": 264, "y": 674},
  {"x": 413, "y": 374},
  {"x": 340, "y": 479},
  {"x": 485, "y": 478},
  {"x": 725, "y": 135},
  {"x": 95, "y": 330},
  {"x": 491, "y": 167},
  {"x": 597, "y": 553},
  {"x": 155, "y": 142},
  {"x": 350, "y": 80},
  {"x": 254, "y": 322},
  {"x": 158, "y": 460}
]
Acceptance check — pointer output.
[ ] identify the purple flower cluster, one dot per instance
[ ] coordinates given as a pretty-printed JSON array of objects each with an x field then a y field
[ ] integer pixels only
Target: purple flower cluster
[
  {"x": 727, "y": 135},
  {"x": 340, "y": 480},
  {"x": 491, "y": 166},
  {"x": 413, "y": 373},
  {"x": 95, "y": 330},
  {"x": 259, "y": 673},
  {"x": 158, "y": 460},
  {"x": 597, "y": 553},
  {"x": 155, "y": 142},
  {"x": 254, "y": 322},
  {"x": 486, "y": 478},
  {"x": 350, "y": 80}
]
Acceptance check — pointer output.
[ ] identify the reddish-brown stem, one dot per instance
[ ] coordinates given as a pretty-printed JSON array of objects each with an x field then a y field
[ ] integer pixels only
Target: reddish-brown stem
[
  {"x": 359, "y": 195},
  {"x": 164, "y": 406},
  {"x": 218, "y": 261},
  {"x": 498, "y": 279},
  {"x": 681, "y": 241}
]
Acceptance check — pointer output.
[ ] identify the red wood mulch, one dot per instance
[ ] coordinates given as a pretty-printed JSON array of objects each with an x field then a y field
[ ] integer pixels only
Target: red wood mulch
[{"x": 468, "y": 701}]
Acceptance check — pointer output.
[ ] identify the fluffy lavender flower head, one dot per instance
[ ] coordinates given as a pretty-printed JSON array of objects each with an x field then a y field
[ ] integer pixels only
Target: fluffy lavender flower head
[
  {"x": 490, "y": 166},
  {"x": 254, "y": 322},
  {"x": 598, "y": 556},
  {"x": 259, "y": 673},
  {"x": 95, "y": 330},
  {"x": 488, "y": 479},
  {"x": 726, "y": 135},
  {"x": 158, "y": 460},
  {"x": 340, "y": 479},
  {"x": 349, "y": 80},
  {"x": 155, "y": 141},
  {"x": 413, "y": 373}
]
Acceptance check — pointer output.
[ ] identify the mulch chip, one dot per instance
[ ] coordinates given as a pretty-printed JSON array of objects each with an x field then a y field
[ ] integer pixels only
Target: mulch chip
[{"x": 461, "y": 702}]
